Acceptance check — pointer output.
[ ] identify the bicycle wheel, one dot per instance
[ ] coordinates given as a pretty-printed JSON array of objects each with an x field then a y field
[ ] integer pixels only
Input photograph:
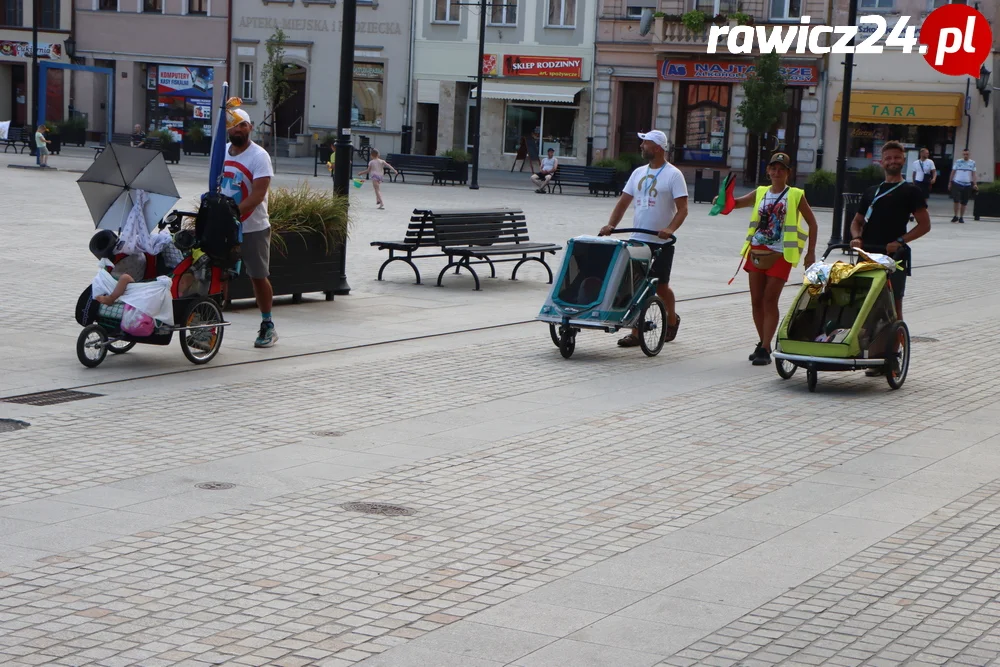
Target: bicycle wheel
[
  {"x": 201, "y": 344},
  {"x": 567, "y": 342},
  {"x": 785, "y": 368},
  {"x": 92, "y": 345},
  {"x": 121, "y": 346},
  {"x": 652, "y": 326},
  {"x": 899, "y": 356},
  {"x": 554, "y": 334}
]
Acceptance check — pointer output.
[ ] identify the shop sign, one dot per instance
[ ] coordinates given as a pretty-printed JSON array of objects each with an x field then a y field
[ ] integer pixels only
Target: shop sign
[
  {"x": 11, "y": 49},
  {"x": 718, "y": 71},
  {"x": 320, "y": 25},
  {"x": 490, "y": 64},
  {"x": 201, "y": 109},
  {"x": 543, "y": 66},
  {"x": 184, "y": 81},
  {"x": 891, "y": 111},
  {"x": 370, "y": 71}
]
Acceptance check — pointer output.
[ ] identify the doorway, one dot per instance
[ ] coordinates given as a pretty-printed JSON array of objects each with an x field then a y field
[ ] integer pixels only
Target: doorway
[
  {"x": 18, "y": 96},
  {"x": 425, "y": 134},
  {"x": 635, "y": 113},
  {"x": 291, "y": 114},
  {"x": 783, "y": 136}
]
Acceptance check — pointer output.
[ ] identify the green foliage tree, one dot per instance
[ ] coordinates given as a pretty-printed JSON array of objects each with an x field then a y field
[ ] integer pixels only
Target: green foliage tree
[
  {"x": 763, "y": 101},
  {"x": 274, "y": 83}
]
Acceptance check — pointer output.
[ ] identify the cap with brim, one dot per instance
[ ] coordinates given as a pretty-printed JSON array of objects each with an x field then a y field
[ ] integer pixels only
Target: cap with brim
[
  {"x": 782, "y": 159},
  {"x": 656, "y": 136}
]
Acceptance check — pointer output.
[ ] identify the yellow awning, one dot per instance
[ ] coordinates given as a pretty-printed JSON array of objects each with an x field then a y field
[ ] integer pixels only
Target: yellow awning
[{"x": 903, "y": 107}]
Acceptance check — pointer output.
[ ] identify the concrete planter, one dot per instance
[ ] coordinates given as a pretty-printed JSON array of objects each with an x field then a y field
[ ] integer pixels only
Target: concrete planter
[
  {"x": 986, "y": 205},
  {"x": 306, "y": 265}
]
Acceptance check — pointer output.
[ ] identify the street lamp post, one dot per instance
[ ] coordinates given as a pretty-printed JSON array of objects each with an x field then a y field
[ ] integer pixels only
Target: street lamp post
[
  {"x": 474, "y": 183},
  {"x": 34, "y": 62},
  {"x": 845, "y": 115},
  {"x": 342, "y": 160}
]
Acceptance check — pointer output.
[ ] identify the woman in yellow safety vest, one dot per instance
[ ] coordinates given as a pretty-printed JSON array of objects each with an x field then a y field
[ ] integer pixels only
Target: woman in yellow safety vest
[{"x": 773, "y": 245}]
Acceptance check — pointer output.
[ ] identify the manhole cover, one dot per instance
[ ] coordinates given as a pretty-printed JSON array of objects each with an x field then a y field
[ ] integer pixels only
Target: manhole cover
[
  {"x": 215, "y": 486},
  {"x": 923, "y": 339},
  {"x": 382, "y": 509},
  {"x": 50, "y": 397},
  {"x": 8, "y": 425},
  {"x": 328, "y": 434}
]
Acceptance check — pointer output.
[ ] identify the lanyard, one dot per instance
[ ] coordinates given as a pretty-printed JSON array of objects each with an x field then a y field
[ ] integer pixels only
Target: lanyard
[
  {"x": 652, "y": 182},
  {"x": 868, "y": 215}
]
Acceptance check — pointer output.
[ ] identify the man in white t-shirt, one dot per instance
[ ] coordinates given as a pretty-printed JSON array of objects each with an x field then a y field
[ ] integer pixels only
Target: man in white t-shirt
[
  {"x": 548, "y": 170},
  {"x": 246, "y": 177},
  {"x": 963, "y": 182},
  {"x": 923, "y": 172},
  {"x": 658, "y": 194}
]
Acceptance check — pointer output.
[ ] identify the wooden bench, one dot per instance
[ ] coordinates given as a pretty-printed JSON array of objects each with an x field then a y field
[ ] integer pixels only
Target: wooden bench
[
  {"x": 438, "y": 168},
  {"x": 18, "y": 137},
  {"x": 466, "y": 235},
  {"x": 600, "y": 180},
  {"x": 118, "y": 139}
]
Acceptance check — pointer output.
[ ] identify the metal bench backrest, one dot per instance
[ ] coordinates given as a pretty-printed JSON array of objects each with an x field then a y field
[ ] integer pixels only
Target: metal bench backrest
[
  {"x": 475, "y": 228},
  {"x": 405, "y": 161},
  {"x": 571, "y": 171},
  {"x": 421, "y": 229}
]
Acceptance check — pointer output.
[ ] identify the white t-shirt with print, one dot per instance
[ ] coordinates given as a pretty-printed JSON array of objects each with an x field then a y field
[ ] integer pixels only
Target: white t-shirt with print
[
  {"x": 548, "y": 164},
  {"x": 653, "y": 192},
  {"x": 963, "y": 170},
  {"x": 922, "y": 168},
  {"x": 238, "y": 174}
]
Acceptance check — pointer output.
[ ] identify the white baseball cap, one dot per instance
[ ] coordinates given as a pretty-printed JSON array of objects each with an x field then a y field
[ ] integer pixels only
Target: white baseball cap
[
  {"x": 236, "y": 116},
  {"x": 657, "y": 137}
]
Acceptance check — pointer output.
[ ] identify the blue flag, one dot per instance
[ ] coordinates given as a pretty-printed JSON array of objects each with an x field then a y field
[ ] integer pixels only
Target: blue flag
[{"x": 218, "y": 158}]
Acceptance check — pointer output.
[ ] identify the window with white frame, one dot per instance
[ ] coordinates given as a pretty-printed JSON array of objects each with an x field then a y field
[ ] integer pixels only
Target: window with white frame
[
  {"x": 198, "y": 7},
  {"x": 11, "y": 13},
  {"x": 246, "y": 81},
  {"x": 549, "y": 126},
  {"x": 503, "y": 12},
  {"x": 634, "y": 8},
  {"x": 784, "y": 10},
  {"x": 152, "y": 6},
  {"x": 562, "y": 14},
  {"x": 934, "y": 4},
  {"x": 446, "y": 11},
  {"x": 106, "y": 5},
  {"x": 716, "y": 7},
  {"x": 877, "y": 4}
]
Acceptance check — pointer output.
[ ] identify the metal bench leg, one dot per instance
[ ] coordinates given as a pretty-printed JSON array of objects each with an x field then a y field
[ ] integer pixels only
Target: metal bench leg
[
  {"x": 462, "y": 263},
  {"x": 406, "y": 259},
  {"x": 540, "y": 258}
]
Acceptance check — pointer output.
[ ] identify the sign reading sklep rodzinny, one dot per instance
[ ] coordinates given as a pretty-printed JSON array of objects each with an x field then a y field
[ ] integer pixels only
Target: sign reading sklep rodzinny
[{"x": 954, "y": 39}]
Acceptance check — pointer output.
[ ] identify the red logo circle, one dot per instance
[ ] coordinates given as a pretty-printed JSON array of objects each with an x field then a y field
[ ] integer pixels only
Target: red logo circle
[{"x": 956, "y": 40}]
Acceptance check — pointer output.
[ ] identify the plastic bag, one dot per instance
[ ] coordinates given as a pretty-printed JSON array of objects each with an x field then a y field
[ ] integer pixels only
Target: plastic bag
[
  {"x": 818, "y": 273},
  {"x": 884, "y": 260},
  {"x": 135, "y": 237},
  {"x": 136, "y": 322},
  {"x": 152, "y": 298}
]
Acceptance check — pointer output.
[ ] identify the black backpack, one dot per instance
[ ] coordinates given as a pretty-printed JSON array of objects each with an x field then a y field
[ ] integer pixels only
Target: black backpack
[{"x": 217, "y": 230}]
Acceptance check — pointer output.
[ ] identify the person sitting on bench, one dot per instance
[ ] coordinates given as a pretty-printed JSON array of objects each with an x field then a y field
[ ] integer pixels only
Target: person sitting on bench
[{"x": 549, "y": 166}]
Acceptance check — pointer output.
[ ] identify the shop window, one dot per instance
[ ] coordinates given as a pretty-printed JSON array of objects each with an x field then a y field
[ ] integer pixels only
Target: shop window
[
  {"x": 562, "y": 14},
  {"x": 50, "y": 15},
  {"x": 783, "y": 10},
  {"x": 246, "y": 81},
  {"x": 446, "y": 11},
  {"x": 198, "y": 7},
  {"x": 366, "y": 109},
  {"x": 503, "y": 12},
  {"x": 153, "y": 6},
  {"x": 635, "y": 8},
  {"x": 107, "y": 5},
  {"x": 714, "y": 7},
  {"x": 546, "y": 126},
  {"x": 877, "y": 4},
  {"x": 12, "y": 13},
  {"x": 704, "y": 122}
]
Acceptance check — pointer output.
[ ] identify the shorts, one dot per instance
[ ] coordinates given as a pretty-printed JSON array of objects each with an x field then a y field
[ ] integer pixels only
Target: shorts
[
  {"x": 663, "y": 262},
  {"x": 960, "y": 193},
  {"x": 42, "y": 150},
  {"x": 256, "y": 252},
  {"x": 543, "y": 176},
  {"x": 780, "y": 269},
  {"x": 376, "y": 178}
]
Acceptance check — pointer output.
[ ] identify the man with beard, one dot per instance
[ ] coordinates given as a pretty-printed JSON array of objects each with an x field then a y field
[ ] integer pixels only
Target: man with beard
[
  {"x": 246, "y": 176},
  {"x": 659, "y": 193},
  {"x": 880, "y": 224}
]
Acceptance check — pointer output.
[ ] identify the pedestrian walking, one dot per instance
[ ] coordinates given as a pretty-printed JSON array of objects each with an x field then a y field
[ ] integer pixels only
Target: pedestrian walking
[
  {"x": 549, "y": 166},
  {"x": 881, "y": 222},
  {"x": 773, "y": 245},
  {"x": 962, "y": 184},
  {"x": 658, "y": 194},
  {"x": 376, "y": 173},
  {"x": 41, "y": 147},
  {"x": 246, "y": 177},
  {"x": 923, "y": 172}
]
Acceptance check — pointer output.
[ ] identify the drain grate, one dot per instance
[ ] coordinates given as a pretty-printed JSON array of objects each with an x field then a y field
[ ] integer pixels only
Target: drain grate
[
  {"x": 328, "y": 434},
  {"x": 54, "y": 397},
  {"x": 215, "y": 486},
  {"x": 923, "y": 339},
  {"x": 382, "y": 509},
  {"x": 8, "y": 425}
]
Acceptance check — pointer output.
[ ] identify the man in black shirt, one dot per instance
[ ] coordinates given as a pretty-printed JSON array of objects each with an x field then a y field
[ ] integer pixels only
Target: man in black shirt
[{"x": 880, "y": 224}]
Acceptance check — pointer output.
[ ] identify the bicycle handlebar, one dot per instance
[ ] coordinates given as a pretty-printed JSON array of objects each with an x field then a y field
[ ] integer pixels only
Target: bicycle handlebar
[{"x": 669, "y": 241}]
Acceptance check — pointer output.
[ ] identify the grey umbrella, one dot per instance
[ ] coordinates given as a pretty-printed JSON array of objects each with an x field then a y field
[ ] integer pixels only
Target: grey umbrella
[{"x": 108, "y": 185}]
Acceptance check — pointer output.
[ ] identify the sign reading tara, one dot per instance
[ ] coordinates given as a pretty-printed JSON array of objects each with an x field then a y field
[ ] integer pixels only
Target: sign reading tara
[
  {"x": 718, "y": 71},
  {"x": 543, "y": 66}
]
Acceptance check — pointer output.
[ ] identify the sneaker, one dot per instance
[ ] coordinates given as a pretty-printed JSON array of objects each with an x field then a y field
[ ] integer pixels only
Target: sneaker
[
  {"x": 756, "y": 351},
  {"x": 763, "y": 358},
  {"x": 954, "y": 218},
  {"x": 961, "y": 221},
  {"x": 267, "y": 335},
  {"x": 875, "y": 372}
]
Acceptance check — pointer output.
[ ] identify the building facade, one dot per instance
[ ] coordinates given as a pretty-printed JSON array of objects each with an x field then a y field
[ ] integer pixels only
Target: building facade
[
  {"x": 898, "y": 96},
  {"x": 168, "y": 57},
  {"x": 538, "y": 65},
  {"x": 667, "y": 80},
  {"x": 313, "y": 30},
  {"x": 16, "y": 85}
]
